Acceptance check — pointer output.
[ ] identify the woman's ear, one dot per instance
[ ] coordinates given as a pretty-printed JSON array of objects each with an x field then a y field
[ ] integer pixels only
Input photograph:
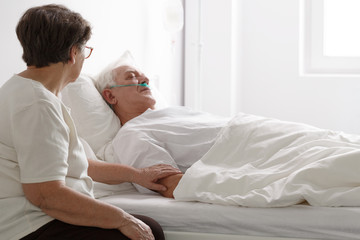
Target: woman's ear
[
  {"x": 73, "y": 51},
  {"x": 109, "y": 97}
]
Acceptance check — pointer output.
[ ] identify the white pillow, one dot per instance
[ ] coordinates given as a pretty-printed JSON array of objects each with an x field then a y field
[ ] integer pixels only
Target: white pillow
[{"x": 95, "y": 122}]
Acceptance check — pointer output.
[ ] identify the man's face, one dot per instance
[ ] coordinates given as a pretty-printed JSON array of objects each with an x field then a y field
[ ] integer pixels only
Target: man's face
[{"x": 138, "y": 98}]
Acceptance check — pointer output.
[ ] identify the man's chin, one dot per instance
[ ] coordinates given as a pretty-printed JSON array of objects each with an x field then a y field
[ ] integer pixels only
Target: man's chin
[{"x": 153, "y": 104}]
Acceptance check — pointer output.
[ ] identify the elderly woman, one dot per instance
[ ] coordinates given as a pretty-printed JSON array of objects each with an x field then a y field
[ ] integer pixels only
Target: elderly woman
[{"x": 45, "y": 178}]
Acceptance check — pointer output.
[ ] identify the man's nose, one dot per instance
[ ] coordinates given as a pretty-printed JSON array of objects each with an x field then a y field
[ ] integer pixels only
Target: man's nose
[{"x": 143, "y": 79}]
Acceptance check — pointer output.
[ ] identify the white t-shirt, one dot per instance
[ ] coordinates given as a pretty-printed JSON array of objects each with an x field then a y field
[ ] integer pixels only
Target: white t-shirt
[
  {"x": 176, "y": 135},
  {"x": 38, "y": 143}
]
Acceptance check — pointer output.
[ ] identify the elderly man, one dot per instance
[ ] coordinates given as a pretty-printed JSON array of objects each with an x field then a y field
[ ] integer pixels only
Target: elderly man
[
  {"x": 176, "y": 135},
  {"x": 249, "y": 160}
]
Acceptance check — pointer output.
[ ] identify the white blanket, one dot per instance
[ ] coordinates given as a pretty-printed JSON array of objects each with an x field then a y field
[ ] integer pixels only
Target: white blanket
[{"x": 261, "y": 162}]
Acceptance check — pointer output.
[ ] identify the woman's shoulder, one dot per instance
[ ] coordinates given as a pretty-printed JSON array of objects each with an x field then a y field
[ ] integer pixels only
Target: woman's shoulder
[{"x": 21, "y": 93}]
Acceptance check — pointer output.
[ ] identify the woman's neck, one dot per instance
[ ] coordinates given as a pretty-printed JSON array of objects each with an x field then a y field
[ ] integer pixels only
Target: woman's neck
[{"x": 53, "y": 77}]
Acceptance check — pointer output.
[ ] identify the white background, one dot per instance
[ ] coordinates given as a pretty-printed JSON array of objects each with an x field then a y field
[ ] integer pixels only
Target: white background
[{"x": 261, "y": 72}]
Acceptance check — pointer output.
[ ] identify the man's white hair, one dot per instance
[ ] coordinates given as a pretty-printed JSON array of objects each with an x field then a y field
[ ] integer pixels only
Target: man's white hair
[{"x": 106, "y": 78}]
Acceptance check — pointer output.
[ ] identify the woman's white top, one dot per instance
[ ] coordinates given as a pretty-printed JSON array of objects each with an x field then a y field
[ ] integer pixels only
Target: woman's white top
[{"x": 38, "y": 143}]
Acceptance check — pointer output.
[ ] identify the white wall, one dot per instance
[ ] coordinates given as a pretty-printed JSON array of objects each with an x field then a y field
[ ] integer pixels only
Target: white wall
[
  {"x": 272, "y": 83},
  {"x": 264, "y": 64},
  {"x": 208, "y": 46},
  {"x": 118, "y": 25}
]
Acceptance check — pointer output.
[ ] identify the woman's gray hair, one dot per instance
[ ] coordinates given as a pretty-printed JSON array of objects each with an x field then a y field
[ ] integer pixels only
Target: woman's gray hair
[{"x": 106, "y": 78}]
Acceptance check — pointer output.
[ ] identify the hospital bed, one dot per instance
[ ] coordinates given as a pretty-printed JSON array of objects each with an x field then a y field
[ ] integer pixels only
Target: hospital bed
[
  {"x": 195, "y": 220},
  {"x": 95, "y": 123}
]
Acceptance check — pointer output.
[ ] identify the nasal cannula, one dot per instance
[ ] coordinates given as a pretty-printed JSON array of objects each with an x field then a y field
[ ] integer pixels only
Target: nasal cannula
[{"x": 128, "y": 85}]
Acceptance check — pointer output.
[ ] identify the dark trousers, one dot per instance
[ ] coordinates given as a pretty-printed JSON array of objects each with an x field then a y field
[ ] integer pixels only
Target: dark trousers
[{"x": 57, "y": 230}]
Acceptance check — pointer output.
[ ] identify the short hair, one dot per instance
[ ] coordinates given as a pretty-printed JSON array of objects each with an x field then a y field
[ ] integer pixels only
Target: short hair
[
  {"x": 107, "y": 77},
  {"x": 47, "y": 33}
]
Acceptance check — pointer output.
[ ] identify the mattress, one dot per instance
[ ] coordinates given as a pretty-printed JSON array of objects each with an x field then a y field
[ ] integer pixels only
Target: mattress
[{"x": 298, "y": 221}]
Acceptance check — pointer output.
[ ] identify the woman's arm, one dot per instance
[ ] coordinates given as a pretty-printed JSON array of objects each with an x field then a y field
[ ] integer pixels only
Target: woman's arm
[
  {"x": 67, "y": 205},
  {"x": 113, "y": 173}
]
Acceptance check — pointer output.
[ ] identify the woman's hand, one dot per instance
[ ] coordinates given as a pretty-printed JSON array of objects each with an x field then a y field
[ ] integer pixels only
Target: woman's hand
[
  {"x": 135, "y": 229},
  {"x": 148, "y": 177}
]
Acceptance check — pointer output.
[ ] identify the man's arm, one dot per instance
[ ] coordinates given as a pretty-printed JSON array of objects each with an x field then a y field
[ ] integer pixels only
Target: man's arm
[
  {"x": 113, "y": 173},
  {"x": 170, "y": 183}
]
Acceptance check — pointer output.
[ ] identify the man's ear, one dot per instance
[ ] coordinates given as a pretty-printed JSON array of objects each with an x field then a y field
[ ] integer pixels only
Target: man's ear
[{"x": 109, "y": 97}]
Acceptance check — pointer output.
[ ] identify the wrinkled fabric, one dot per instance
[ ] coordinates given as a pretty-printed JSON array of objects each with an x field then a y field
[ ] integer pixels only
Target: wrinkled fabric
[{"x": 262, "y": 162}]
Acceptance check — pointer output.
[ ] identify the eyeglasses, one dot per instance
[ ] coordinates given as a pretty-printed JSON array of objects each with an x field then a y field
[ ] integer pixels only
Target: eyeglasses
[{"x": 88, "y": 51}]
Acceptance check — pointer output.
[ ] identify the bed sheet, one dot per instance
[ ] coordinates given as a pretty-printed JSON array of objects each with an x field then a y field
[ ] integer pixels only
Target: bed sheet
[{"x": 298, "y": 221}]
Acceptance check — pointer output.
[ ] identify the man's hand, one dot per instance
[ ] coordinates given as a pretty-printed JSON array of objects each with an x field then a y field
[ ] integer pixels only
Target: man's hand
[
  {"x": 148, "y": 177},
  {"x": 170, "y": 183}
]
